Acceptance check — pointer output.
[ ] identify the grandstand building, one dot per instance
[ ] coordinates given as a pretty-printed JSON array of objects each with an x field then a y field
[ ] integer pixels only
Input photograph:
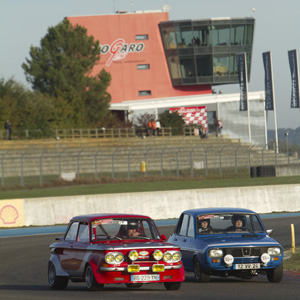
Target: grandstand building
[{"x": 157, "y": 64}]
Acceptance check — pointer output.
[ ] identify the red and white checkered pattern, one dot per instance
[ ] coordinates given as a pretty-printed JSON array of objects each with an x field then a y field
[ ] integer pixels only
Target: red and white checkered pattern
[{"x": 192, "y": 115}]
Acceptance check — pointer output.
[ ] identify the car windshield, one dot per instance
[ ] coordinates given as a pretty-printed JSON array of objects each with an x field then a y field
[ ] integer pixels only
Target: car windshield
[
  {"x": 228, "y": 223},
  {"x": 123, "y": 228}
]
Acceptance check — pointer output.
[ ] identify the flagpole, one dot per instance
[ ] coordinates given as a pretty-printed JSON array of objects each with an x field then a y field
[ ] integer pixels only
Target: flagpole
[
  {"x": 248, "y": 107},
  {"x": 266, "y": 128},
  {"x": 274, "y": 106}
]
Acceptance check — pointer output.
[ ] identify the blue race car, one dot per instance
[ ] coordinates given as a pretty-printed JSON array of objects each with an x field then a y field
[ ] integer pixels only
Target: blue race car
[{"x": 227, "y": 242}]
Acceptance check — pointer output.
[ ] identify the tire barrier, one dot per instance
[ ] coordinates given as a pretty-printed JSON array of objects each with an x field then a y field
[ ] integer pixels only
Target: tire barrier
[{"x": 263, "y": 171}]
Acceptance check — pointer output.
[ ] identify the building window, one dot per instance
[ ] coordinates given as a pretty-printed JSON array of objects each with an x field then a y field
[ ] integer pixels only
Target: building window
[
  {"x": 139, "y": 37},
  {"x": 143, "y": 67},
  {"x": 144, "y": 93}
]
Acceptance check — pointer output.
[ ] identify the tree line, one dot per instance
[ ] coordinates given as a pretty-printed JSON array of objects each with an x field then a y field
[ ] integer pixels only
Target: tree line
[{"x": 64, "y": 93}]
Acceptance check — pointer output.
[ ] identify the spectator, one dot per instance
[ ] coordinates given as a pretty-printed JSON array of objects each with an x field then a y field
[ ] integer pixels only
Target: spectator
[
  {"x": 216, "y": 123},
  {"x": 7, "y": 127},
  {"x": 157, "y": 124},
  {"x": 220, "y": 126},
  {"x": 196, "y": 131},
  {"x": 150, "y": 127},
  {"x": 202, "y": 132},
  {"x": 153, "y": 128}
]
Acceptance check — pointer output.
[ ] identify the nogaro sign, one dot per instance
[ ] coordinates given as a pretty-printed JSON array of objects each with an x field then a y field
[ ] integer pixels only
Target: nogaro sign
[{"x": 119, "y": 49}]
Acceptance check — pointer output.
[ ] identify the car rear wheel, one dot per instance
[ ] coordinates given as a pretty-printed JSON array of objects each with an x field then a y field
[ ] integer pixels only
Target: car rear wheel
[
  {"x": 90, "y": 280},
  {"x": 134, "y": 285},
  {"x": 56, "y": 282},
  {"x": 275, "y": 275},
  {"x": 199, "y": 275},
  {"x": 172, "y": 285}
]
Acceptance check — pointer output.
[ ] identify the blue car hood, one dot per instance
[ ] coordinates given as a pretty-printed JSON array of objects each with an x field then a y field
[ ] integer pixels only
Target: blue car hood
[{"x": 238, "y": 240}]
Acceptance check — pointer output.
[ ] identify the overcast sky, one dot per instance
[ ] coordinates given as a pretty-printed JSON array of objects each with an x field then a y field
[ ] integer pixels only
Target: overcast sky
[{"x": 25, "y": 22}]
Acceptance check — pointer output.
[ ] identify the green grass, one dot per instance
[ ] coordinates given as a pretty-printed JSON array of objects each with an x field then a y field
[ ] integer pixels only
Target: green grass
[
  {"x": 293, "y": 263},
  {"x": 142, "y": 185}
]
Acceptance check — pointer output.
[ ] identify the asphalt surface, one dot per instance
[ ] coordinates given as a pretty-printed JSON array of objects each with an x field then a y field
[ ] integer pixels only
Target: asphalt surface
[{"x": 23, "y": 274}]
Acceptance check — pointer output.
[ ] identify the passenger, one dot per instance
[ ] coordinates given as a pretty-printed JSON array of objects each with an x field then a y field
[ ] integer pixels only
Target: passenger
[{"x": 204, "y": 225}]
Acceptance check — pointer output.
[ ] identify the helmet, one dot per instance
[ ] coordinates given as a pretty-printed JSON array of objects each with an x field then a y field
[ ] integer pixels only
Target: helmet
[
  {"x": 132, "y": 225},
  {"x": 206, "y": 220},
  {"x": 238, "y": 217}
]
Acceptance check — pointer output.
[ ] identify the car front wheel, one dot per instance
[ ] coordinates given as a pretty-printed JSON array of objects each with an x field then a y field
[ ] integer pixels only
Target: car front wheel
[
  {"x": 90, "y": 280},
  {"x": 199, "y": 275},
  {"x": 275, "y": 275},
  {"x": 172, "y": 285},
  {"x": 56, "y": 282}
]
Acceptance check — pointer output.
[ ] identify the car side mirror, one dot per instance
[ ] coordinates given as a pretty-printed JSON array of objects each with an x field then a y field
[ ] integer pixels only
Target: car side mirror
[
  {"x": 163, "y": 237},
  {"x": 269, "y": 231}
]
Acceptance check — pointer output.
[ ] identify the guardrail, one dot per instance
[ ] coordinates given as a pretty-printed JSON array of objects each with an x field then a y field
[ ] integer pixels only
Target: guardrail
[{"x": 76, "y": 133}]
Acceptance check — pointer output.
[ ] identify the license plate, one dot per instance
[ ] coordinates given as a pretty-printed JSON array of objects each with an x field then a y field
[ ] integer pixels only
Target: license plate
[
  {"x": 246, "y": 266},
  {"x": 154, "y": 277}
]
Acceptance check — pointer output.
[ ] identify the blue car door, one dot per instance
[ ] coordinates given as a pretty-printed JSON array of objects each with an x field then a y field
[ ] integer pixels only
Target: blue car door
[{"x": 185, "y": 238}]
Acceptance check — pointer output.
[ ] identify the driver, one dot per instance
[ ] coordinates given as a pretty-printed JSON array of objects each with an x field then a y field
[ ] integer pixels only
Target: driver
[
  {"x": 132, "y": 228},
  {"x": 238, "y": 223}
]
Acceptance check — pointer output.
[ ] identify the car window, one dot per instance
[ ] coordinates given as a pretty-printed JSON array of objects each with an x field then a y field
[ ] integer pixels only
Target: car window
[
  {"x": 256, "y": 224},
  {"x": 191, "y": 228},
  {"x": 227, "y": 222},
  {"x": 83, "y": 233},
  {"x": 125, "y": 228},
  {"x": 72, "y": 232},
  {"x": 184, "y": 225}
]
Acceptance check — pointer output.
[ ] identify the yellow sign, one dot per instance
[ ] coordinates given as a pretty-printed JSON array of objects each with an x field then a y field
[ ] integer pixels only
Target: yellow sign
[{"x": 11, "y": 213}]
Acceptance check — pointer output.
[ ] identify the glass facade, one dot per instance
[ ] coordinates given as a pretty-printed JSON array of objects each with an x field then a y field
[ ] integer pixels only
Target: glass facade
[
  {"x": 235, "y": 122},
  {"x": 204, "y": 51}
]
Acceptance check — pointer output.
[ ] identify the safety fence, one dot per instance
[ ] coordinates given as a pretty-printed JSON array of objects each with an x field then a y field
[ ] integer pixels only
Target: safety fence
[
  {"x": 38, "y": 167},
  {"x": 96, "y": 133},
  {"x": 74, "y": 133}
]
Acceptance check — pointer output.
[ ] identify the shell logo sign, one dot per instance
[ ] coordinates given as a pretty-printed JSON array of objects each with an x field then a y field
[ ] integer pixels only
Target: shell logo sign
[
  {"x": 11, "y": 213},
  {"x": 119, "y": 49}
]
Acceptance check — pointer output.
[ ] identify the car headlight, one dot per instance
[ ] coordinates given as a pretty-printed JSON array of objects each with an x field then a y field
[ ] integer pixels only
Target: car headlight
[
  {"x": 167, "y": 256},
  {"x": 265, "y": 258},
  {"x": 109, "y": 258},
  {"x": 274, "y": 251},
  {"x": 133, "y": 255},
  {"x": 114, "y": 257},
  {"x": 228, "y": 259},
  {"x": 157, "y": 255},
  {"x": 176, "y": 256},
  {"x": 215, "y": 253},
  {"x": 119, "y": 258}
]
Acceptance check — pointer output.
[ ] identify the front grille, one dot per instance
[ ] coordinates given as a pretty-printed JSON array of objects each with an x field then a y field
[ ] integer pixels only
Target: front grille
[{"x": 245, "y": 251}]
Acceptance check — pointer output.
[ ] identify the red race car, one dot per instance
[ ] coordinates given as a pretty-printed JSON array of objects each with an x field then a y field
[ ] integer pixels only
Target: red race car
[{"x": 114, "y": 248}]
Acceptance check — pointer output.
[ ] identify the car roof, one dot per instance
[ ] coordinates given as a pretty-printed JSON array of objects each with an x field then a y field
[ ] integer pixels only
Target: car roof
[
  {"x": 213, "y": 210},
  {"x": 106, "y": 216}
]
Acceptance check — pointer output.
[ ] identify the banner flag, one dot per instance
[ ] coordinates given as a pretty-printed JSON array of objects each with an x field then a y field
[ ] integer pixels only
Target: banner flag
[
  {"x": 196, "y": 115},
  {"x": 241, "y": 69},
  {"x": 269, "y": 102},
  {"x": 293, "y": 60}
]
